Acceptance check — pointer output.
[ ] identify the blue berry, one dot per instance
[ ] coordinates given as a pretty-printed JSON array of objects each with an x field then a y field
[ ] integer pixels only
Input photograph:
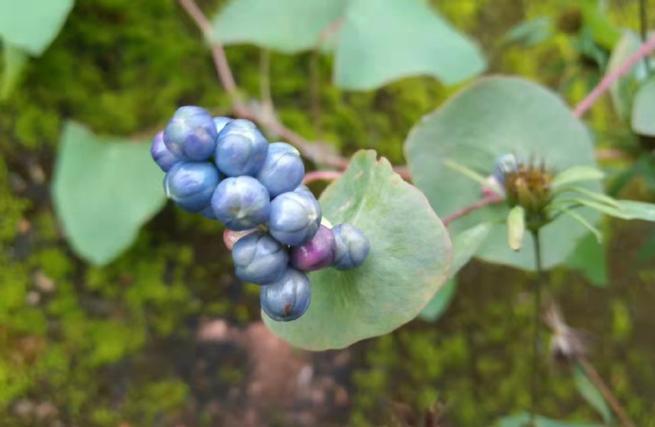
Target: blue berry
[
  {"x": 191, "y": 185},
  {"x": 505, "y": 164},
  {"x": 283, "y": 169},
  {"x": 316, "y": 253},
  {"x": 258, "y": 258},
  {"x": 191, "y": 134},
  {"x": 241, "y": 203},
  {"x": 220, "y": 122},
  {"x": 351, "y": 246},
  {"x": 287, "y": 298},
  {"x": 160, "y": 154},
  {"x": 295, "y": 217},
  {"x": 240, "y": 149}
]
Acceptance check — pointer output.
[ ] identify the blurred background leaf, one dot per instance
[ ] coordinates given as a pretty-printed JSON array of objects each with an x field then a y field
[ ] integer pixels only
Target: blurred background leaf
[
  {"x": 385, "y": 40},
  {"x": 289, "y": 26},
  {"x": 643, "y": 109},
  {"x": 591, "y": 394},
  {"x": 32, "y": 25},
  {"x": 492, "y": 117},
  {"x": 104, "y": 189}
]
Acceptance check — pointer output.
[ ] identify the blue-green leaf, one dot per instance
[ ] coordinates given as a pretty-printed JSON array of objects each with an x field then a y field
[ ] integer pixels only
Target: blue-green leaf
[
  {"x": 288, "y": 26},
  {"x": 623, "y": 90},
  {"x": 643, "y": 109},
  {"x": 576, "y": 174},
  {"x": 492, "y": 117},
  {"x": 32, "y": 25},
  {"x": 385, "y": 40},
  {"x": 104, "y": 189}
]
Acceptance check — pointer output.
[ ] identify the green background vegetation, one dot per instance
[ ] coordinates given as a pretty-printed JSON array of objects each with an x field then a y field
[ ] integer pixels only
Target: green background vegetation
[{"x": 117, "y": 344}]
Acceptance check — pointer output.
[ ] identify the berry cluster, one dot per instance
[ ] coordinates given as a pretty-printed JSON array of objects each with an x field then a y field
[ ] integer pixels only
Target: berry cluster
[{"x": 225, "y": 169}]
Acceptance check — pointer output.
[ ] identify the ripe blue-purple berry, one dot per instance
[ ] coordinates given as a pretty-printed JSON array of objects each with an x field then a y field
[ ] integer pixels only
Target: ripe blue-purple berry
[
  {"x": 240, "y": 149},
  {"x": 220, "y": 122},
  {"x": 283, "y": 169},
  {"x": 316, "y": 253},
  {"x": 287, "y": 298},
  {"x": 191, "y": 185},
  {"x": 160, "y": 154},
  {"x": 258, "y": 258},
  {"x": 241, "y": 203},
  {"x": 191, "y": 134},
  {"x": 295, "y": 217},
  {"x": 351, "y": 246}
]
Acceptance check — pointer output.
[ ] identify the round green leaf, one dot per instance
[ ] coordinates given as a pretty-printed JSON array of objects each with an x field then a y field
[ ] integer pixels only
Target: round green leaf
[
  {"x": 643, "y": 110},
  {"x": 285, "y": 25},
  {"x": 385, "y": 40},
  {"x": 104, "y": 189},
  {"x": 32, "y": 24},
  {"x": 492, "y": 117},
  {"x": 408, "y": 262}
]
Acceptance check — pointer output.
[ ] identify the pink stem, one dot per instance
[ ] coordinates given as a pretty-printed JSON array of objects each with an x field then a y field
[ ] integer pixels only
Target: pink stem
[
  {"x": 321, "y": 176},
  {"x": 646, "y": 49},
  {"x": 489, "y": 199}
]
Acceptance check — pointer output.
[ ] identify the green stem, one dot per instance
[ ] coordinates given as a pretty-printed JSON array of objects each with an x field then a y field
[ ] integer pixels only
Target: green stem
[
  {"x": 536, "y": 326},
  {"x": 643, "y": 28}
]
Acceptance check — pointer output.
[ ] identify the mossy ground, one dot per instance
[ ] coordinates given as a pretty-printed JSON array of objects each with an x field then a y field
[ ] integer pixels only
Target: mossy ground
[{"x": 117, "y": 345}]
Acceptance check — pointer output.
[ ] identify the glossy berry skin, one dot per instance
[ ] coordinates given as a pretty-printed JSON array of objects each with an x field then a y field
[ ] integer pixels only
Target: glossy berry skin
[
  {"x": 507, "y": 163},
  {"x": 191, "y": 185},
  {"x": 295, "y": 217},
  {"x": 191, "y": 134},
  {"x": 220, "y": 122},
  {"x": 160, "y": 154},
  {"x": 283, "y": 169},
  {"x": 315, "y": 254},
  {"x": 240, "y": 149},
  {"x": 258, "y": 258},
  {"x": 351, "y": 246},
  {"x": 241, "y": 203},
  {"x": 287, "y": 298}
]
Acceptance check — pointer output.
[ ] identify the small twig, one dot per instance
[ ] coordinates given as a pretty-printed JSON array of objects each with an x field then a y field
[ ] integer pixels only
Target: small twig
[
  {"x": 644, "y": 50},
  {"x": 318, "y": 152},
  {"x": 489, "y": 199},
  {"x": 314, "y": 176},
  {"x": 595, "y": 378},
  {"x": 218, "y": 53}
]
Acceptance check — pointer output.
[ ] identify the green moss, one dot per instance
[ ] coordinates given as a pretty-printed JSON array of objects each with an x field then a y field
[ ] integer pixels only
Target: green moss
[{"x": 102, "y": 344}]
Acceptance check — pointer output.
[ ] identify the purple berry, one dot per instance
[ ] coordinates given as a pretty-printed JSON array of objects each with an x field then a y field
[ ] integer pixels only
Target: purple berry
[{"x": 315, "y": 254}]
